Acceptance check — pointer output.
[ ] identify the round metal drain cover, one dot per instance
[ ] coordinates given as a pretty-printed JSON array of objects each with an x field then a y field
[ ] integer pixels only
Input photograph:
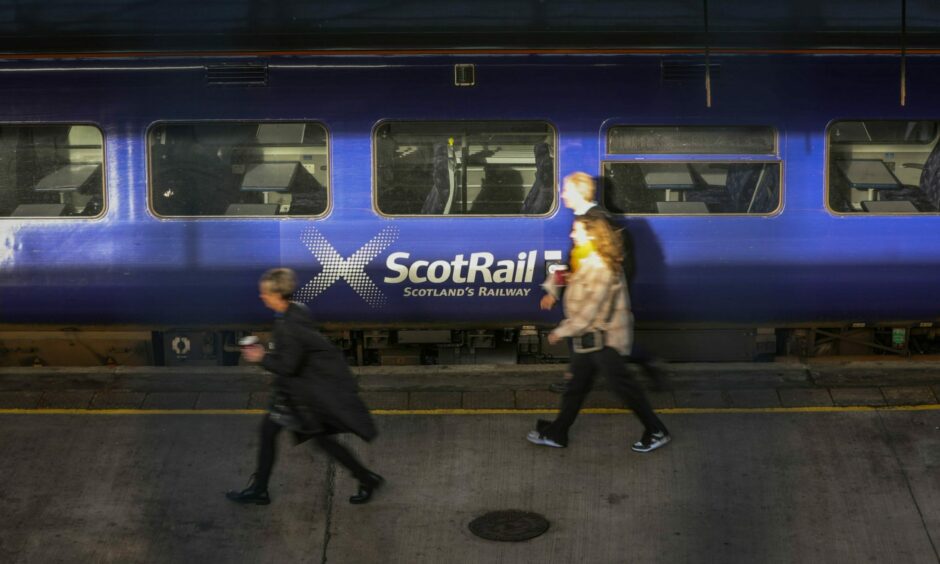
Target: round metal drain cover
[{"x": 509, "y": 525}]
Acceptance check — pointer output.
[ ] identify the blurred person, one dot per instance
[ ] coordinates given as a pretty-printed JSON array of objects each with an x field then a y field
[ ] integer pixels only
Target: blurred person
[
  {"x": 315, "y": 395},
  {"x": 578, "y": 194},
  {"x": 599, "y": 322}
]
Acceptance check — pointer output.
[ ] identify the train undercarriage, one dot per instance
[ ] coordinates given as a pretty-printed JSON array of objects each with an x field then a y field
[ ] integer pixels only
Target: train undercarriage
[{"x": 514, "y": 345}]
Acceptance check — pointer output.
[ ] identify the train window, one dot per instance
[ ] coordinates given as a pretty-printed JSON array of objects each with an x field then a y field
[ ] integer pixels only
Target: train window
[
  {"x": 884, "y": 166},
  {"x": 740, "y": 175},
  {"x": 238, "y": 169},
  {"x": 51, "y": 171},
  {"x": 692, "y": 187},
  {"x": 690, "y": 140},
  {"x": 464, "y": 168}
]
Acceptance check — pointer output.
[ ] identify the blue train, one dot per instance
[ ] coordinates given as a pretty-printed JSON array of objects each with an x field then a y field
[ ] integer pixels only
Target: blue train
[{"x": 413, "y": 192}]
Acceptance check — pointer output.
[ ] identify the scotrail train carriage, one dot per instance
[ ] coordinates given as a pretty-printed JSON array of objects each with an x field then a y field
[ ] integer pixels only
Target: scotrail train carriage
[{"x": 418, "y": 198}]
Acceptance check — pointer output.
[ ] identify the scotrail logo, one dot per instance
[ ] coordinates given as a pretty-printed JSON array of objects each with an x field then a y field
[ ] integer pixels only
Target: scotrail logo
[
  {"x": 470, "y": 270},
  {"x": 351, "y": 269}
]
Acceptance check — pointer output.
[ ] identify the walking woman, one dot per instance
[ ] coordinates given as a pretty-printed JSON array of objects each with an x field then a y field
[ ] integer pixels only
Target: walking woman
[
  {"x": 598, "y": 318},
  {"x": 315, "y": 395}
]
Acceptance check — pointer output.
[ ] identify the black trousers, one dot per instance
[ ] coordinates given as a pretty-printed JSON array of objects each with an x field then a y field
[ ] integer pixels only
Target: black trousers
[
  {"x": 269, "y": 433},
  {"x": 584, "y": 366}
]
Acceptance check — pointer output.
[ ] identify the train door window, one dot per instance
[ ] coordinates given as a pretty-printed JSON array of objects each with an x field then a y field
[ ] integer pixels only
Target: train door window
[
  {"x": 228, "y": 169},
  {"x": 692, "y": 170},
  {"x": 884, "y": 167},
  {"x": 464, "y": 168},
  {"x": 51, "y": 171}
]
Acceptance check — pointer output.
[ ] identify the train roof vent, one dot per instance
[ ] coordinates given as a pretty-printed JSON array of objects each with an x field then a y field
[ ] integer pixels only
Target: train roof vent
[
  {"x": 682, "y": 70},
  {"x": 227, "y": 74}
]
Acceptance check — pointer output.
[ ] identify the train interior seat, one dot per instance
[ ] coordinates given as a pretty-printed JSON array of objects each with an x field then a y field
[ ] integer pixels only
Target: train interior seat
[
  {"x": 539, "y": 198},
  {"x": 500, "y": 190},
  {"x": 307, "y": 195},
  {"x": 743, "y": 179},
  {"x": 717, "y": 198},
  {"x": 441, "y": 193},
  {"x": 624, "y": 190},
  {"x": 190, "y": 177},
  {"x": 840, "y": 199},
  {"x": 402, "y": 174},
  {"x": 747, "y": 188},
  {"x": 930, "y": 179},
  {"x": 766, "y": 194},
  {"x": 211, "y": 179},
  {"x": 913, "y": 195}
]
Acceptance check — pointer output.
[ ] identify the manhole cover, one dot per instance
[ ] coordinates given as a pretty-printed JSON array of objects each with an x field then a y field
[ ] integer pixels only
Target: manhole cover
[{"x": 509, "y": 525}]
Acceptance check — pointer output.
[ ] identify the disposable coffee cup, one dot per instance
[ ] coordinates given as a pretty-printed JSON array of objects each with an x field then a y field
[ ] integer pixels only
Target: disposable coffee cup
[
  {"x": 248, "y": 341},
  {"x": 560, "y": 274}
]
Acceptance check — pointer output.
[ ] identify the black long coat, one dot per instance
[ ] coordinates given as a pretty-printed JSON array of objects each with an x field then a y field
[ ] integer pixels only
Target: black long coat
[{"x": 313, "y": 375}]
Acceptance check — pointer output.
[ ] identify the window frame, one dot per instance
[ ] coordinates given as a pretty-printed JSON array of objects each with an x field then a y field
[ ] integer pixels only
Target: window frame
[
  {"x": 555, "y": 193},
  {"x": 828, "y": 161},
  {"x": 329, "y": 163},
  {"x": 105, "y": 200},
  {"x": 775, "y": 150},
  {"x": 689, "y": 158}
]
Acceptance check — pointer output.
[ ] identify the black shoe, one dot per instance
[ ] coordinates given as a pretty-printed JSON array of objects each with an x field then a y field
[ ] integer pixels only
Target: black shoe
[
  {"x": 537, "y": 438},
  {"x": 559, "y": 387},
  {"x": 366, "y": 488},
  {"x": 652, "y": 441},
  {"x": 250, "y": 495}
]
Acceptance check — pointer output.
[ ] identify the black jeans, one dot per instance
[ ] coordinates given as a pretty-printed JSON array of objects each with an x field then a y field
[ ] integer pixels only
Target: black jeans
[
  {"x": 584, "y": 366},
  {"x": 268, "y": 447}
]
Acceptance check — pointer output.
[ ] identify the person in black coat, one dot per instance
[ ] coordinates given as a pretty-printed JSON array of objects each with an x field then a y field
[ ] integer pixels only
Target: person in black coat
[{"x": 315, "y": 394}]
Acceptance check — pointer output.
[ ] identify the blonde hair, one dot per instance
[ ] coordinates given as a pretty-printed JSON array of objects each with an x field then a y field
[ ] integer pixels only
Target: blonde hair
[
  {"x": 584, "y": 183},
  {"x": 281, "y": 281},
  {"x": 607, "y": 242}
]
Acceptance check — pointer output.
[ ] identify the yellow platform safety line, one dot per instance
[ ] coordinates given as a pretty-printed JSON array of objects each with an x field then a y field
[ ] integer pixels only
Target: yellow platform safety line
[{"x": 513, "y": 411}]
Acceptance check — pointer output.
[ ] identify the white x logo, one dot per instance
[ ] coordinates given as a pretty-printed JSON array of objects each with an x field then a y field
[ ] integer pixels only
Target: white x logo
[{"x": 352, "y": 269}]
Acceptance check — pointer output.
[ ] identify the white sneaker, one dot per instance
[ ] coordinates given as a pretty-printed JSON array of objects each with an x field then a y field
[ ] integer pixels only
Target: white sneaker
[
  {"x": 535, "y": 438},
  {"x": 652, "y": 441}
]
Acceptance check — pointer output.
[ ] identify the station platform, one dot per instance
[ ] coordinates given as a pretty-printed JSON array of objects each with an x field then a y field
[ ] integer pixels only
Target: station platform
[
  {"x": 777, "y": 462},
  {"x": 483, "y": 387}
]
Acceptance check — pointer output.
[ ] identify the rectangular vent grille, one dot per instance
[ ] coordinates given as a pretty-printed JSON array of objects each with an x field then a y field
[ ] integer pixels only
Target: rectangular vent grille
[
  {"x": 464, "y": 75},
  {"x": 237, "y": 75},
  {"x": 671, "y": 70}
]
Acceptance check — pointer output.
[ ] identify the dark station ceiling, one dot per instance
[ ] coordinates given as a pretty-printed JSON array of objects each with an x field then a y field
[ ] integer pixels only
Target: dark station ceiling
[{"x": 176, "y": 26}]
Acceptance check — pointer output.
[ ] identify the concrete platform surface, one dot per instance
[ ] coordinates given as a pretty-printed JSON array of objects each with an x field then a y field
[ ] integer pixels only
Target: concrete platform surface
[
  {"x": 844, "y": 486},
  {"x": 397, "y": 388}
]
